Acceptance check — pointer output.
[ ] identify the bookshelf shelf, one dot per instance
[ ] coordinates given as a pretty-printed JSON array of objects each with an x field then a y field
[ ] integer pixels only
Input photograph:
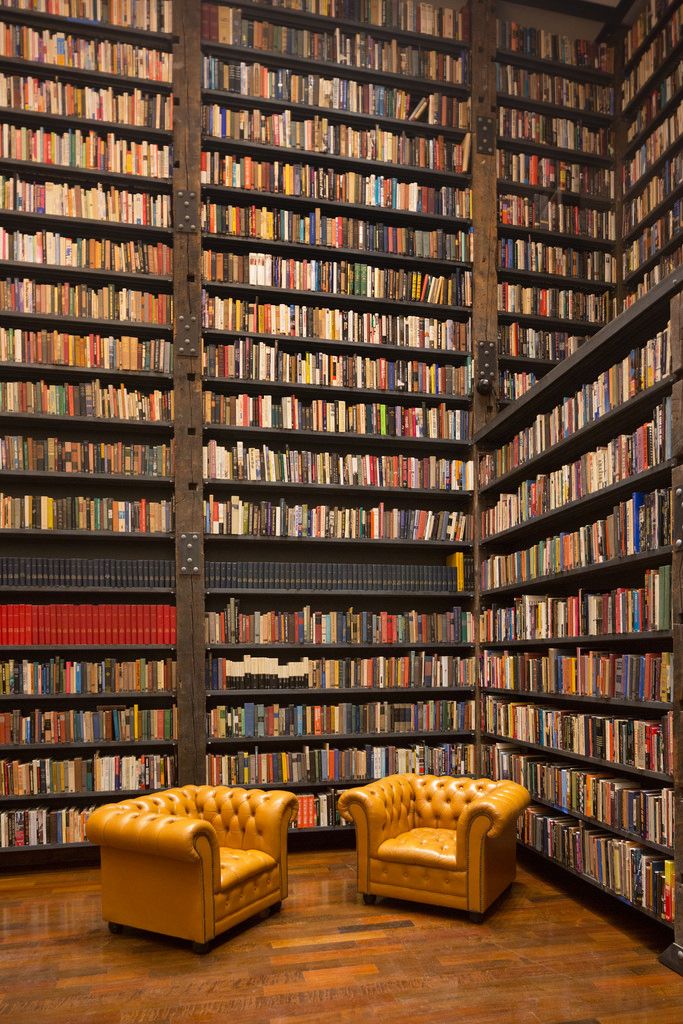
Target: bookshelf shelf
[
  {"x": 297, "y": 342},
  {"x": 47, "y": 172},
  {"x": 76, "y": 589},
  {"x": 592, "y": 502},
  {"x": 579, "y": 698},
  {"x": 63, "y": 745},
  {"x": 356, "y": 645},
  {"x": 449, "y": 545},
  {"x": 94, "y": 423},
  {"x": 260, "y": 387},
  {"x": 309, "y": 592},
  {"x": 616, "y": 766},
  {"x": 281, "y": 199},
  {"x": 402, "y": 170},
  {"x": 332, "y": 298},
  {"x": 526, "y": 362},
  {"x": 617, "y": 419},
  {"x": 540, "y": 277},
  {"x": 119, "y": 697},
  {"x": 553, "y": 67},
  {"x": 547, "y": 234},
  {"x": 609, "y": 571},
  {"x": 55, "y": 371},
  {"x": 522, "y": 188},
  {"x": 86, "y": 323},
  {"x": 237, "y": 243},
  {"x": 632, "y": 836},
  {"x": 87, "y": 225},
  {"x": 544, "y": 107},
  {"x": 280, "y": 486},
  {"x": 333, "y": 439},
  {"x": 316, "y": 693},
  {"x": 96, "y": 78},
  {"x": 79, "y": 535},
  {"x": 25, "y": 851},
  {"x": 546, "y": 150},
  {"x": 92, "y": 29},
  {"x": 585, "y": 640},
  {"x": 92, "y": 478},
  {"x": 342, "y": 738},
  {"x": 598, "y": 885},
  {"x": 79, "y": 796},
  {"x": 301, "y": 830},
  {"x": 67, "y": 121},
  {"x": 58, "y": 272},
  {"x": 58, "y": 645},
  {"x": 554, "y": 322}
]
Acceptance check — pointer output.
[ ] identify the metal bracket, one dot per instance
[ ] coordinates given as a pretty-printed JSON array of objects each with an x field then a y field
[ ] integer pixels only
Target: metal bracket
[
  {"x": 185, "y": 210},
  {"x": 673, "y": 957},
  {"x": 678, "y": 519},
  {"x": 189, "y": 554},
  {"x": 487, "y": 366},
  {"x": 486, "y": 135},
  {"x": 188, "y": 335}
]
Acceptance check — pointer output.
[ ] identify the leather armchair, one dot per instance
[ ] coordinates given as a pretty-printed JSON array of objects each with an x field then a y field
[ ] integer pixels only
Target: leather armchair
[
  {"x": 449, "y": 842},
  {"x": 192, "y": 862}
]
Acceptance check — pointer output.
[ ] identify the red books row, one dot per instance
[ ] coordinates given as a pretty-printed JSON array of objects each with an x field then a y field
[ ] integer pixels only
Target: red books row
[{"x": 82, "y": 624}]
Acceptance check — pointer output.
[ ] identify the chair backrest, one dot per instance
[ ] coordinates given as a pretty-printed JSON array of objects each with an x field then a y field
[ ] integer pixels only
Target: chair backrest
[
  {"x": 232, "y": 812},
  {"x": 181, "y": 802},
  {"x": 440, "y": 800},
  {"x": 398, "y": 797}
]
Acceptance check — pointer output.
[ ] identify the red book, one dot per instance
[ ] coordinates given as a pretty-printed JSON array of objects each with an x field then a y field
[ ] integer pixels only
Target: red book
[
  {"x": 37, "y": 624},
  {"x": 26, "y": 624},
  {"x": 106, "y": 624},
  {"x": 128, "y": 623}
]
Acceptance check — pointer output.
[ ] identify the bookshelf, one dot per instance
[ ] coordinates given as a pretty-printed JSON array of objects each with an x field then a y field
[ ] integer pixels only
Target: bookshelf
[
  {"x": 88, "y": 710},
  {"x": 579, "y": 643}
]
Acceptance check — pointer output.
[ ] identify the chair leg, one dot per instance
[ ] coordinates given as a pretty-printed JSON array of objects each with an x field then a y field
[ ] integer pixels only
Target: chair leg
[
  {"x": 201, "y": 948},
  {"x": 115, "y": 928},
  {"x": 369, "y": 898},
  {"x": 276, "y": 907},
  {"x": 476, "y": 917}
]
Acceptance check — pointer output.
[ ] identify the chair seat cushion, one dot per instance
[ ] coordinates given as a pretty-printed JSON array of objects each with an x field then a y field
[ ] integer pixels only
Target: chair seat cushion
[
  {"x": 429, "y": 847},
  {"x": 238, "y": 866}
]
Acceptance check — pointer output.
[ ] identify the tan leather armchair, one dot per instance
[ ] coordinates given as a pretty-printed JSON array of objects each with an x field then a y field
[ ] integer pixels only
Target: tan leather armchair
[
  {"x": 430, "y": 839},
  {"x": 192, "y": 862}
]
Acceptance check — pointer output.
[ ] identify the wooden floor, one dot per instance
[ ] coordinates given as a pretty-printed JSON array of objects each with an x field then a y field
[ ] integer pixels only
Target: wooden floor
[{"x": 551, "y": 953}]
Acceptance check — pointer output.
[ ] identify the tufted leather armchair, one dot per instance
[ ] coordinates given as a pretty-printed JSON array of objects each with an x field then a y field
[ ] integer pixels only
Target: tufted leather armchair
[
  {"x": 450, "y": 842},
  {"x": 192, "y": 862}
]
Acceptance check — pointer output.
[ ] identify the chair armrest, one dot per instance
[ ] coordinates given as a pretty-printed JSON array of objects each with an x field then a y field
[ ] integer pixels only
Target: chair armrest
[
  {"x": 380, "y": 811},
  {"x": 260, "y": 818},
  {"x": 160, "y": 835},
  {"x": 501, "y": 804}
]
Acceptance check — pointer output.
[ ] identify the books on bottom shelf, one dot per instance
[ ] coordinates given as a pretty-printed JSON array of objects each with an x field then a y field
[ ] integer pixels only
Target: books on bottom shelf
[
  {"x": 318, "y": 810},
  {"x": 39, "y": 826}
]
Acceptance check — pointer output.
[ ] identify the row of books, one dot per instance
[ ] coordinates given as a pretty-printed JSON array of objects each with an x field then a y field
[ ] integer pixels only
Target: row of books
[
  {"x": 613, "y": 802},
  {"x": 624, "y": 456},
  {"x": 27, "y": 625},
  {"x": 232, "y": 27},
  {"x": 585, "y": 673},
  {"x": 317, "y": 810},
  {"x": 625, "y": 868},
  {"x": 303, "y": 720},
  {"x": 654, "y": 192},
  {"x": 95, "y": 399},
  {"x": 544, "y": 45},
  {"x": 93, "y": 514},
  {"x": 106, "y": 724},
  {"x": 240, "y": 517},
  {"x": 329, "y": 576},
  {"x": 38, "y": 826},
  {"x": 639, "y": 370},
  {"x": 535, "y": 343},
  {"x": 85, "y": 351},
  {"x": 314, "y": 228},
  {"x": 512, "y": 385},
  {"x": 62, "y": 50},
  {"x": 53, "y": 249},
  {"x": 79, "y": 300},
  {"x": 556, "y": 173},
  {"x": 331, "y": 184},
  {"x": 562, "y": 303},
  {"x": 327, "y": 277},
  {"x": 647, "y": 18},
  {"x": 320, "y": 134},
  {"x": 59, "y": 455},
  {"x": 306, "y": 626},
  {"x": 541, "y": 87},
  {"x": 406, "y": 15},
  {"x": 322, "y": 323},
  {"x": 258, "y": 81},
  {"x": 654, "y": 237},
  {"x": 58, "y": 676},
  {"x": 527, "y": 255},
  {"x": 267, "y": 465},
  {"x": 562, "y": 214},
  {"x": 647, "y": 745},
  {"x": 666, "y": 265},
  {"x": 641, "y": 523},
  {"x": 659, "y": 50},
  {"x": 338, "y": 417},
  {"x": 94, "y": 151},
  {"x": 266, "y": 362},
  {"x": 622, "y": 610},
  {"x": 58, "y": 98},
  {"x": 101, "y": 773},
  {"x": 330, "y": 764},
  {"x": 655, "y": 146},
  {"x": 662, "y": 94},
  {"x": 393, "y": 671},
  {"x": 31, "y": 571},
  {"x": 150, "y": 15},
  {"x": 98, "y": 202},
  {"x": 549, "y": 130}
]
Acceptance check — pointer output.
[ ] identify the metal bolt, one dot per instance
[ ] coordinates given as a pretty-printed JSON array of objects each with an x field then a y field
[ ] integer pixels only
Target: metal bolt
[
  {"x": 679, "y": 544},
  {"x": 183, "y": 536},
  {"x": 196, "y": 569},
  {"x": 679, "y": 492},
  {"x": 679, "y": 954}
]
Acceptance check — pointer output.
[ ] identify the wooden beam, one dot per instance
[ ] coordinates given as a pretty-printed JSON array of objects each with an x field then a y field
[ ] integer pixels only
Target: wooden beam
[
  {"x": 187, "y": 383},
  {"x": 578, "y": 9}
]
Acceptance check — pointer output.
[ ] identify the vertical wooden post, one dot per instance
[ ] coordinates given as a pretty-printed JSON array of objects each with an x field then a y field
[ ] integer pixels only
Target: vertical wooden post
[
  {"x": 616, "y": 40},
  {"x": 485, "y": 276},
  {"x": 187, "y": 382},
  {"x": 673, "y": 956}
]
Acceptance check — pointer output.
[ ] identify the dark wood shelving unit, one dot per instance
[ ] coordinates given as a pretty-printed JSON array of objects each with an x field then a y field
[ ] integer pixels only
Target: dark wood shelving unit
[
  {"x": 260, "y": 387},
  {"x": 332, "y": 439},
  {"x": 368, "y": 491},
  {"x": 450, "y": 545},
  {"x": 579, "y": 698},
  {"x": 316, "y": 693},
  {"x": 342, "y": 737}
]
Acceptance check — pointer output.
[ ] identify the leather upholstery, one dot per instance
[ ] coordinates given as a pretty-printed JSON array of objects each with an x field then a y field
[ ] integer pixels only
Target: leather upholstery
[
  {"x": 195, "y": 861},
  {"x": 440, "y": 840}
]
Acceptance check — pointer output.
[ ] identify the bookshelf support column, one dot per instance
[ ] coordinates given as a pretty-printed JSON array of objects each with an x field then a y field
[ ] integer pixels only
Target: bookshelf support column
[
  {"x": 485, "y": 277},
  {"x": 620, "y": 137},
  {"x": 673, "y": 955},
  {"x": 187, "y": 299}
]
